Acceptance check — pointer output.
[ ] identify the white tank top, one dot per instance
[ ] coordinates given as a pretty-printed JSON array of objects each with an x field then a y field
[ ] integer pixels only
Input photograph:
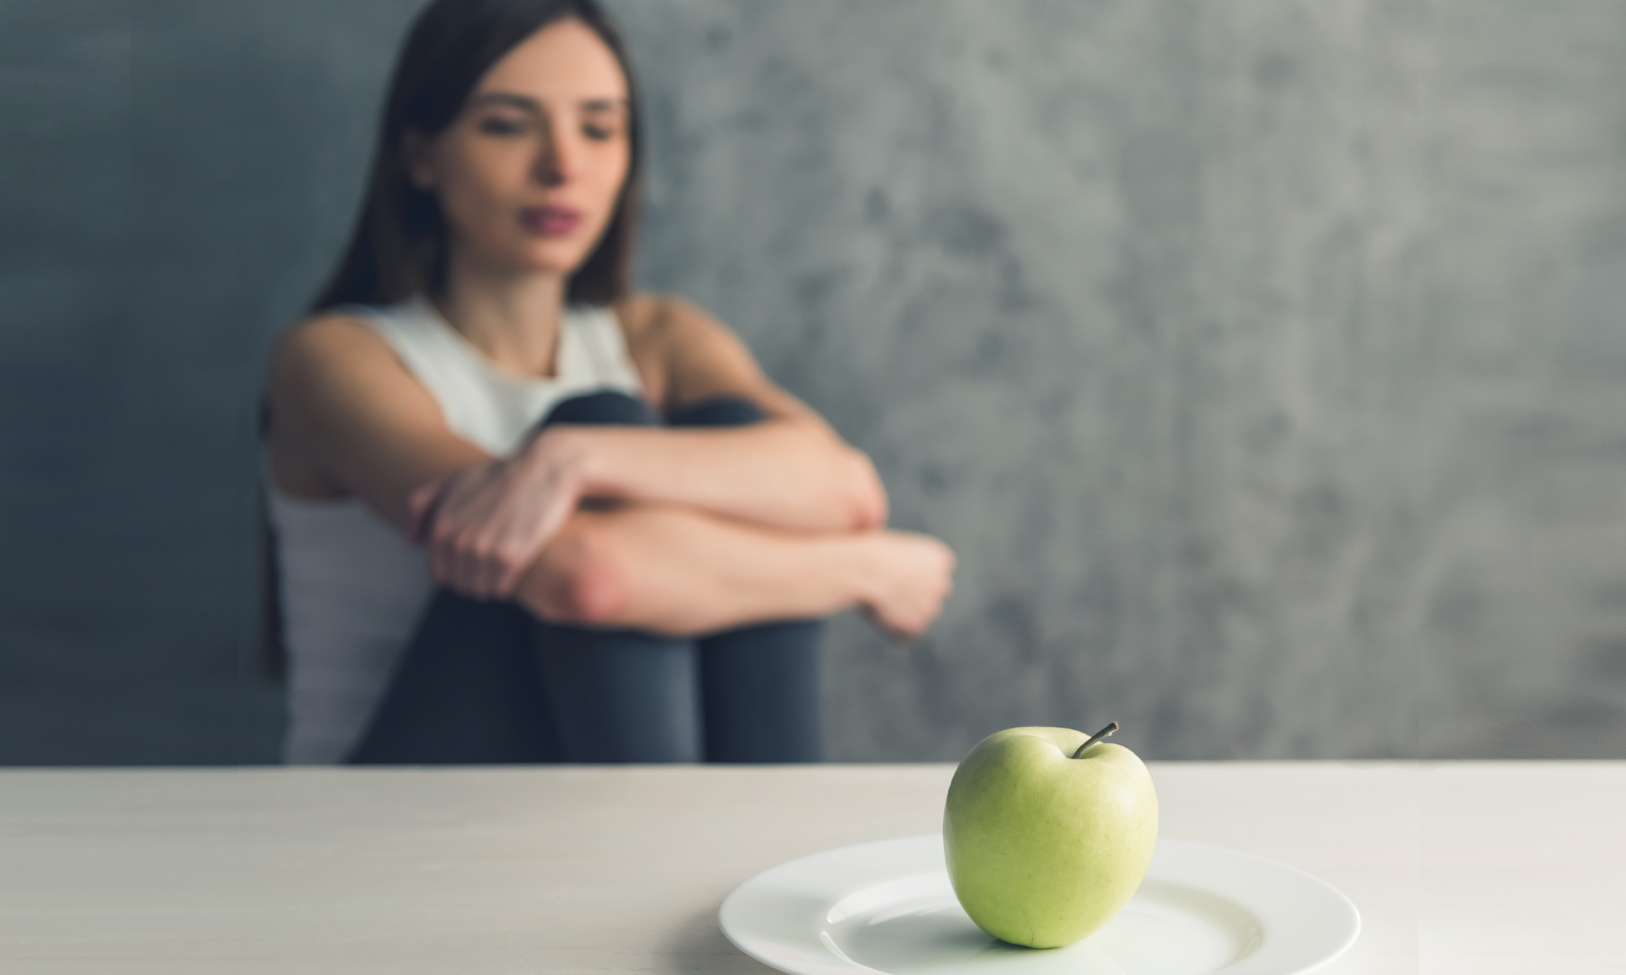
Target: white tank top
[{"x": 351, "y": 586}]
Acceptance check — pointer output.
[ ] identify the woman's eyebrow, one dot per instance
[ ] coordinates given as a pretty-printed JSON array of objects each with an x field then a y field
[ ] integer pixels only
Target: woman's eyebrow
[
  {"x": 507, "y": 98},
  {"x": 530, "y": 104}
]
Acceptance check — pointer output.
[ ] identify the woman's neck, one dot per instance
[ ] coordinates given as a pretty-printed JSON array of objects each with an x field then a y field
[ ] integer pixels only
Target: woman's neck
[{"x": 513, "y": 319}]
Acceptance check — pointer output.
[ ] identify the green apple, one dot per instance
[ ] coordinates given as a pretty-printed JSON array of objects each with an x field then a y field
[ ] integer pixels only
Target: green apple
[{"x": 1046, "y": 840}]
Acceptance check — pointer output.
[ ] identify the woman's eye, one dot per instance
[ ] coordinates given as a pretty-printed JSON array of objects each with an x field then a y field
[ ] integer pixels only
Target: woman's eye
[
  {"x": 497, "y": 125},
  {"x": 598, "y": 133}
]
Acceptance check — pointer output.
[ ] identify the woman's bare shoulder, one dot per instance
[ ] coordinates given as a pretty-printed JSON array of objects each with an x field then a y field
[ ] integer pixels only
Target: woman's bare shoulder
[
  {"x": 327, "y": 343},
  {"x": 652, "y": 319},
  {"x": 332, "y": 364},
  {"x": 327, "y": 333},
  {"x": 691, "y": 354}
]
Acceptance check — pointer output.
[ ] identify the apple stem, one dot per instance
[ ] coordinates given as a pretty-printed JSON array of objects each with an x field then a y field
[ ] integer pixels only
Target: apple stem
[{"x": 1109, "y": 729}]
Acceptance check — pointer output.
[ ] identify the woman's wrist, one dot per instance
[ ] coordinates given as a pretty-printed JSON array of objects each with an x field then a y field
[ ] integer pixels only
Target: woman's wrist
[
  {"x": 561, "y": 457},
  {"x": 903, "y": 580},
  {"x": 868, "y": 573}
]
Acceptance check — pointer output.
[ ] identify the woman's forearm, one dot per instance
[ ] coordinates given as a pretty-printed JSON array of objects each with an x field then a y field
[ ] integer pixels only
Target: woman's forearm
[
  {"x": 677, "y": 571},
  {"x": 680, "y": 571},
  {"x": 782, "y": 472},
  {"x": 485, "y": 524}
]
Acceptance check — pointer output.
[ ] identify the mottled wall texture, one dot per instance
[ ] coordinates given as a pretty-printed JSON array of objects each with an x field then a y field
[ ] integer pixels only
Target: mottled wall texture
[{"x": 1262, "y": 361}]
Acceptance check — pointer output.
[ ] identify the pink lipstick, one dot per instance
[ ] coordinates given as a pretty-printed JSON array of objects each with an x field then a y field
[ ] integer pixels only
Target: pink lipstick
[{"x": 550, "y": 221}]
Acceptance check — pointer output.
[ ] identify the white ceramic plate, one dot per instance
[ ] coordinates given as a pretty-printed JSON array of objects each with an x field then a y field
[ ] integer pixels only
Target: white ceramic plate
[{"x": 888, "y": 907}]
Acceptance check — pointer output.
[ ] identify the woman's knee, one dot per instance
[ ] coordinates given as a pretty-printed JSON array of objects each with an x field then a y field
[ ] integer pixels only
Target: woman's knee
[
  {"x": 717, "y": 411},
  {"x": 614, "y": 408},
  {"x": 606, "y": 407}
]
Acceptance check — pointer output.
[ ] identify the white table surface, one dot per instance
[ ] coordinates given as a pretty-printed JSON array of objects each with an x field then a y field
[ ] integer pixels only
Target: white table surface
[{"x": 1485, "y": 868}]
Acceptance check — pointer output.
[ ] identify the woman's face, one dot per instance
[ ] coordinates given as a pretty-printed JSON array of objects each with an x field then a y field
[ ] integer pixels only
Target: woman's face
[{"x": 528, "y": 173}]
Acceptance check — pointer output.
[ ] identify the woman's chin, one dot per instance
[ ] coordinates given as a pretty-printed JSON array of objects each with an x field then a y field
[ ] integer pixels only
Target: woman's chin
[
  {"x": 554, "y": 258},
  {"x": 538, "y": 255},
  {"x": 549, "y": 264}
]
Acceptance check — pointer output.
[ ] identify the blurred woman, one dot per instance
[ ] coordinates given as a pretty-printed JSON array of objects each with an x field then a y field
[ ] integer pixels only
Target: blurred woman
[{"x": 523, "y": 514}]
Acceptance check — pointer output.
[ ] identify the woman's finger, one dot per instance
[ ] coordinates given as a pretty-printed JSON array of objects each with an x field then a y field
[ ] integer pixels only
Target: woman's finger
[
  {"x": 421, "y": 506},
  {"x": 492, "y": 571},
  {"x": 467, "y": 579},
  {"x": 509, "y": 568},
  {"x": 445, "y": 555}
]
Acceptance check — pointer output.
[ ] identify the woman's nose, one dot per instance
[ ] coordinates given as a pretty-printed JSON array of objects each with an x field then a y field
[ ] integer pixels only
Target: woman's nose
[{"x": 557, "y": 160}]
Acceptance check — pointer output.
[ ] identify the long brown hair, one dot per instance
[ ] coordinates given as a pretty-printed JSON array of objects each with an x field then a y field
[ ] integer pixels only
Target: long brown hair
[{"x": 398, "y": 246}]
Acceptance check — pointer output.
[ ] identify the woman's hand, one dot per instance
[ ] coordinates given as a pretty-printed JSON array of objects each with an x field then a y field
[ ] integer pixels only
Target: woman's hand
[
  {"x": 484, "y": 525},
  {"x": 913, "y": 575}
]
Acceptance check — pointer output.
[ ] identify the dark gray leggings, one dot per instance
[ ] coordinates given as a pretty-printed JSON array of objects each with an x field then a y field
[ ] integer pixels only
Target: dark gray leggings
[{"x": 488, "y": 683}]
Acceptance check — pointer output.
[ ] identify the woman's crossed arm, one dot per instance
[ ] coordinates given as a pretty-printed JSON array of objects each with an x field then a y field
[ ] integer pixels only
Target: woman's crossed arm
[
  {"x": 484, "y": 524},
  {"x": 349, "y": 419},
  {"x": 681, "y": 571}
]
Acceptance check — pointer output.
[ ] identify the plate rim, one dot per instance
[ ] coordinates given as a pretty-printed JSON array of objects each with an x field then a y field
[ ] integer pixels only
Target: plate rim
[{"x": 842, "y": 963}]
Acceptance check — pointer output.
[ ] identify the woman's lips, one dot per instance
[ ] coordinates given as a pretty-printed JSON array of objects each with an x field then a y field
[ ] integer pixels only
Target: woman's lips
[{"x": 550, "y": 221}]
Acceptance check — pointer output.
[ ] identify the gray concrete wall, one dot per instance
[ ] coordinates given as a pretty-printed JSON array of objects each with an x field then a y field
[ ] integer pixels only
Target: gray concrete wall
[{"x": 1262, "y": 361}]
